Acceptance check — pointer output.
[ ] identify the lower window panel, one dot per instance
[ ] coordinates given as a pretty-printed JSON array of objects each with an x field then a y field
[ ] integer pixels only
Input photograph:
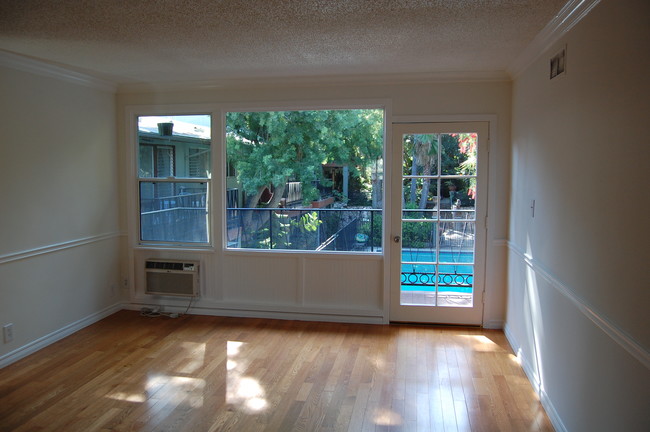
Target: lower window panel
[{"x": 174, "y": 212}]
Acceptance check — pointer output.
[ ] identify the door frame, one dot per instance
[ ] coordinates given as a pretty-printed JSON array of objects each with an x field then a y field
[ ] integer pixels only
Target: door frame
[{"x": 393, "y": 267}]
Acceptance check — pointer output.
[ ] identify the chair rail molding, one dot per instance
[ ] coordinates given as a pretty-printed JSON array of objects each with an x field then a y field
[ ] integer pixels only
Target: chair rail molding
[
  {"x": 601, "y": 321},
  {"x": 15, "y": 256}
]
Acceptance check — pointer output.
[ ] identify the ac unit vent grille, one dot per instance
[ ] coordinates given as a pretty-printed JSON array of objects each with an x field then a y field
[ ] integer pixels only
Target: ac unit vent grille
[
  {"x": 166, "y": 265},
  {"x": 172, "y": 278}
]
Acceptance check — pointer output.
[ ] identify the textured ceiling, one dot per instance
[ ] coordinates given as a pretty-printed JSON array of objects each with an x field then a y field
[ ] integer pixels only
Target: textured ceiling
[{"x": 128, "y": 41}]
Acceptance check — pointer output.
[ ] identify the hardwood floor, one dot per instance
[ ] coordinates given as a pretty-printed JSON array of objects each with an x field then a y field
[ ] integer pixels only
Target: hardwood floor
[{"x": 198, "y": 373}]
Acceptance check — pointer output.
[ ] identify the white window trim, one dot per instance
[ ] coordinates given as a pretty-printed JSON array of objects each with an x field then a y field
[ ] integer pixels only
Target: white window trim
[
  {"x": 133, "y": 179},
  {"x": 217, "y": 198},
  {"x": 383, "y": 104}
]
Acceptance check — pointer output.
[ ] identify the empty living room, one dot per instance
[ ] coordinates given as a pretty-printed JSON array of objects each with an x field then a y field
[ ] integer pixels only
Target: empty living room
[{"x": 307, "y": 215}]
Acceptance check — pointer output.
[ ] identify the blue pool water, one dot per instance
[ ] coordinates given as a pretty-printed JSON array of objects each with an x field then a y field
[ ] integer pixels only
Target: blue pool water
[{"x": 453, "y": 276}]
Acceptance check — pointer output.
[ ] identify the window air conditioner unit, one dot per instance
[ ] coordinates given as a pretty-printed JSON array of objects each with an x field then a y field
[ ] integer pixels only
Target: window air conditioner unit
[{"x": 172, "y": 278}]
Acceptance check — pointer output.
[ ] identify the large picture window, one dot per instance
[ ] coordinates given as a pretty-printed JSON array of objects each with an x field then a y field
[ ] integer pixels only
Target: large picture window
[
  {"x": 174, "y": 178},
  {"x": 305, "y": 180}
]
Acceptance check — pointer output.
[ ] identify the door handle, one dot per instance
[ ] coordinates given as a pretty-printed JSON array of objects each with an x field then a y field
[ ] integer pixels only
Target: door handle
[{"x": 396, "y": 239}]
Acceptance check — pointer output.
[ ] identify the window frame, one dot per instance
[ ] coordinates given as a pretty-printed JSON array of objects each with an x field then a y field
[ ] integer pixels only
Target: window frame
[
  {"x": 136, "y": 180},
  {"x": 382, "y": 104},
  {"x": 217, "y": 240}
]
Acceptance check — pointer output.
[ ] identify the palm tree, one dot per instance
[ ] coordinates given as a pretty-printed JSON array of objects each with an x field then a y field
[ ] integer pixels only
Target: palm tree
[{"x": 426, "y": 155}]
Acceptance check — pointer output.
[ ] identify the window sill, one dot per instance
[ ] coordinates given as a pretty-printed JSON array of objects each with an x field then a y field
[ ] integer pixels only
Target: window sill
[{"x": 172, "y": 247}]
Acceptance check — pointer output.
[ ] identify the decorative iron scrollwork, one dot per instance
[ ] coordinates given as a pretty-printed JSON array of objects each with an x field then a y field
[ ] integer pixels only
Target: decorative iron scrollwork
[{"x": 444, "y": 279}]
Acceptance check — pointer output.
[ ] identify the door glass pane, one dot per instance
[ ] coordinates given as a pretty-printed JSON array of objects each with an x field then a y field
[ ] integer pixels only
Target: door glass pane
[
  {"x": 420, "y": 154},
  {"x": 418, "y": 236},
  {"x": 455, "y": 263},
  {"x": 418, "y": 284},
  {"x": 420, "y": 193},
  {"x": 457, "y": 237},
  {"x": 458, "y": 154}
]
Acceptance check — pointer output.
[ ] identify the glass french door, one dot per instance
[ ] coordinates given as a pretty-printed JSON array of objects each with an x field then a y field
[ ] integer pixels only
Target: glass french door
[{"x": 438, "y": 222}]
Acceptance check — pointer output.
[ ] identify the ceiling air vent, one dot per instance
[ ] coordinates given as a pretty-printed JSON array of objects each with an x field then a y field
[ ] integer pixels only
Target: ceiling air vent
[{"x": 558, "y": 63}]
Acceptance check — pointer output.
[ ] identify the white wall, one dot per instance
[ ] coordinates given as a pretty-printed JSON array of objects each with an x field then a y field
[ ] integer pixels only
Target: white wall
[
  {"x": 59, "y": 232},
  {"x": 578, "y": 275},
  {"x": 329, "y": 287}
]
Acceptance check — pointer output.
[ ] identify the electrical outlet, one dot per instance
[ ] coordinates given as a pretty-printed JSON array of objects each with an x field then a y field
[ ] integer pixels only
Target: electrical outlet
[{"x": 8, "y": 332}]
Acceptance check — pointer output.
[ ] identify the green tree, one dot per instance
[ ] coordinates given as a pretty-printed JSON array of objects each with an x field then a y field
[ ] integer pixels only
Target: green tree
[{"x": 271, "y": 148}]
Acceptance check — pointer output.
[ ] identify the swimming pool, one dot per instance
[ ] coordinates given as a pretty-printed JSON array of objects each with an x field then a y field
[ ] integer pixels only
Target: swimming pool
[{"x": 455, "y": 271}]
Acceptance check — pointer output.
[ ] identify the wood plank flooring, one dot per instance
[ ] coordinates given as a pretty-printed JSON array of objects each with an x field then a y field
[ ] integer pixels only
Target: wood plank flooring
[{"x": 198, "y": 373}]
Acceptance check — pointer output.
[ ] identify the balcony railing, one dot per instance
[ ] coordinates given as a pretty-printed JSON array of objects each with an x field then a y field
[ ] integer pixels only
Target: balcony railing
[
  {"x": 175, "y": 218},
  {"x": 185, "y": 200},
  {"x": 321, "y": 229},
  {"x": 175, "y": 225}
]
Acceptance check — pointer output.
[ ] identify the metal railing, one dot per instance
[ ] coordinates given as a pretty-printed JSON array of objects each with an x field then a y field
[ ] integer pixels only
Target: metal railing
[
  {"x": 178, "y": 218},
  {"x": 175, "y": 225},
  {"x": 417, "y": 279},
  {"x": 185, "y": 200},
  {"x": 317, "y": 229}
]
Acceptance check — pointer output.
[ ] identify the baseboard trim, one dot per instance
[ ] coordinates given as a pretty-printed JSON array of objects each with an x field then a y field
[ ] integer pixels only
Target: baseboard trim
[
  {"x": 243, "y": 312},
  {"x": 610, "y": 329},
  {"x": 493, "y": 324},
  {"x": 525, "y": 362},
  {"x": 29, "y": 253},
  {"x": 57, "y": 335},
  {"x": 532, "y": 376}
]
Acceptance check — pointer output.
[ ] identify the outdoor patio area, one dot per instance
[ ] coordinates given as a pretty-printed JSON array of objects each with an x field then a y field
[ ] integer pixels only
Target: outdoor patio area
[{"x": 428, "y": 298}]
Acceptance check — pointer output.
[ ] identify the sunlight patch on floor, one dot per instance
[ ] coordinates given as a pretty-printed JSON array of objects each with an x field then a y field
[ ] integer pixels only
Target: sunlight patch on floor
[
  {"x": 176, "y": 389},
  {"x": 386, "y": 417},
  {"x": 128, "y": 397},
  {"x": 196, "y": 354},
  {"x": 241, "y": 390},
  {"x": 516, "y": 358},
  {"x": 481, "y": 343}
]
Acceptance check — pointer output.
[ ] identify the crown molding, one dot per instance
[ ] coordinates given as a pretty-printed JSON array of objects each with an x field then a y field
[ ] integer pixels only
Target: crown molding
[
  {"x": 569, "y": 16},
  {"x": 320, "y": 80},
  {"x": 42, "y": 68}
]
